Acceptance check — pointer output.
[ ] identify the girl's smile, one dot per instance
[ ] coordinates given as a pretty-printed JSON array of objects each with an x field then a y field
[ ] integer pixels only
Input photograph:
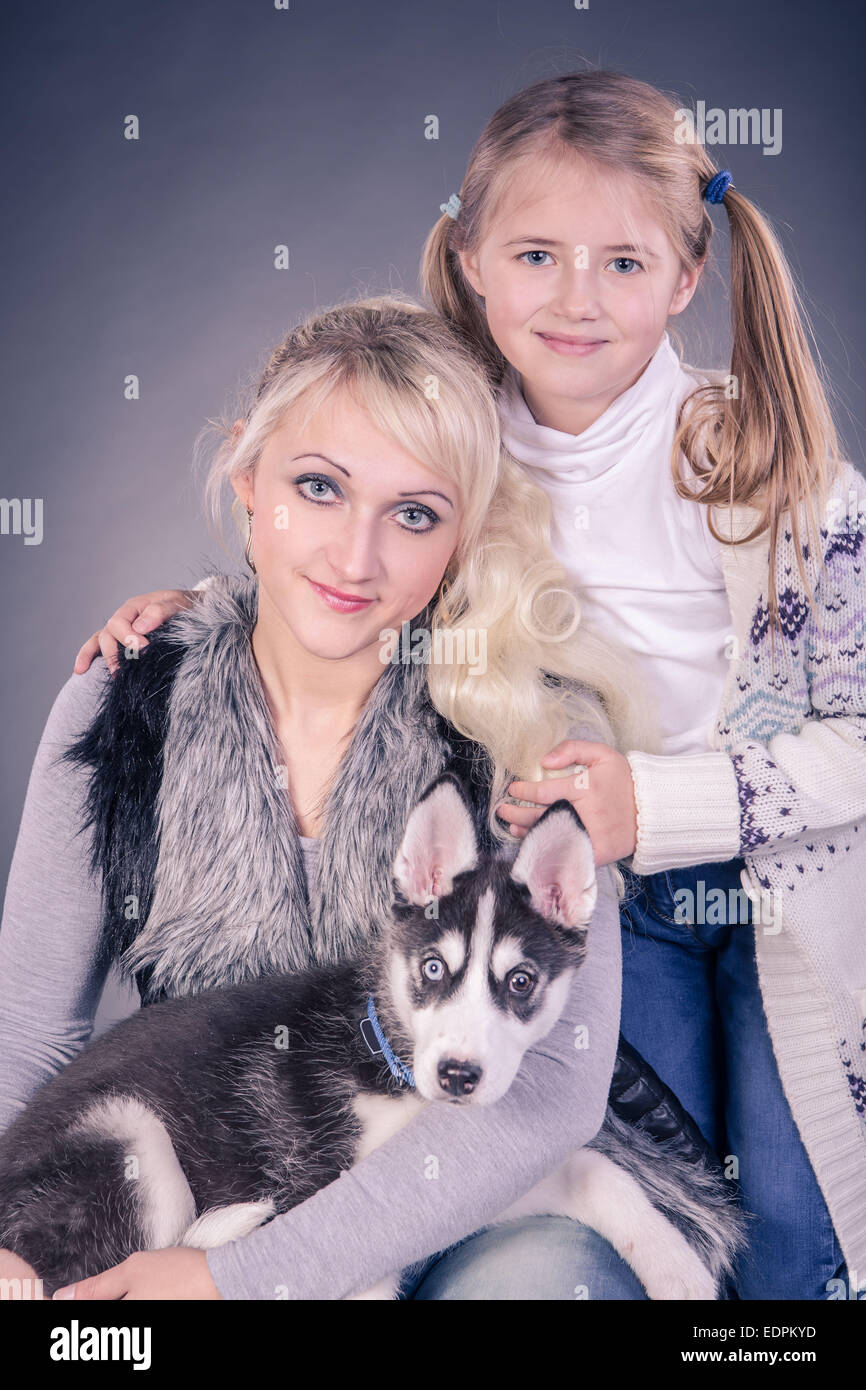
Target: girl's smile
[{"x": 571, "y": 347}]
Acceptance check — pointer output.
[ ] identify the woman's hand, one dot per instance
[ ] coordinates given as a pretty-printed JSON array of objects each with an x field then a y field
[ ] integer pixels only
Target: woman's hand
[
  {"x": 140, "y": 614},
  {"x": 176, "y": 1273},
  {"x": 602, "y": 795}
]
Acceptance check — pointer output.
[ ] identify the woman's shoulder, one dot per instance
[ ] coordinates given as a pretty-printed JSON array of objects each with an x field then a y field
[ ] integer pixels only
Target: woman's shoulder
[
  {"x": 77, "y": 702},
  {"x": 56, "y": 782},
  {"x": 588, "y": 717}
]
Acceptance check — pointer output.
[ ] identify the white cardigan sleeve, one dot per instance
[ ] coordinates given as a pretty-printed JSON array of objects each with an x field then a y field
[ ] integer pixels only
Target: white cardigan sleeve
[{"x": 705, "y": 807}]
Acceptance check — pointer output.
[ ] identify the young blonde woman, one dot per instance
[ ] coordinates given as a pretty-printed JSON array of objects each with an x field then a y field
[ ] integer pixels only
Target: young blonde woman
[
  {"x": 722, "y": 543},
  {"x": 246, "y": 780}
]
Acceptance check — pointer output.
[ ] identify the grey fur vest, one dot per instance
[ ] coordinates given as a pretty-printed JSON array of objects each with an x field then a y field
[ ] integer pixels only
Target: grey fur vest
[
  {"x": 195, "y": 839},
  {"x": 193, "y": 831}
]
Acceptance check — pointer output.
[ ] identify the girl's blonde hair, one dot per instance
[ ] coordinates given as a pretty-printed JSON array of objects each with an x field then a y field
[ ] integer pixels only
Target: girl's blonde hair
[
  {"x": 424, "y": 388},
  {"x": 767, "y": 438}
]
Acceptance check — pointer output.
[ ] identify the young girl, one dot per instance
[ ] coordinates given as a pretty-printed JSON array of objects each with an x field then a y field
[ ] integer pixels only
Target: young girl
[
  {"x": 710, "y": 526},
  {"x": 248, "y": 780}
]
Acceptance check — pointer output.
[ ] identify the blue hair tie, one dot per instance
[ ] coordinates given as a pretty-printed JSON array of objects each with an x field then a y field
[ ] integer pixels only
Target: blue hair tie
[
  {"x": 452, "y": 207},
  {"x": 718, "y": 186}
]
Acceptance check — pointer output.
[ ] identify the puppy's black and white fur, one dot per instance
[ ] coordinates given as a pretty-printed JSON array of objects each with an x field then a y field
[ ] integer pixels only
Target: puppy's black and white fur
[{"x": 200, "y": 1118}]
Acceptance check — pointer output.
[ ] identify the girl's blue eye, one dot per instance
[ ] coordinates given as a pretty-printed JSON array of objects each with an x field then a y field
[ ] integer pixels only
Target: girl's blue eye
[{"x": 620, "y": 260}]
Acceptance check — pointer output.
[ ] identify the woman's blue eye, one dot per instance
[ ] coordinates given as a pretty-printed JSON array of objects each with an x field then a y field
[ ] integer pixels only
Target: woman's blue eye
[
  {"x": 533, "y": 253},
  {"x": 423, "y": 512},
  {"x": 315, "y": 480},
  {"x": 627, "y": 260}
]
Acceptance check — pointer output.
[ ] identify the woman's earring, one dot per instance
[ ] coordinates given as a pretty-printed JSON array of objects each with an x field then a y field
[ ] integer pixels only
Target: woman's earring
[{"x": 247, "y": 555}]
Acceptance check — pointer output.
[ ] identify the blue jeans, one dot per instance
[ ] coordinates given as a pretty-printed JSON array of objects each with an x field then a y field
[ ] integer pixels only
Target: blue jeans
[
  {"x": 691, "y": 1004},
  {"x": 536, "y": 1257}
]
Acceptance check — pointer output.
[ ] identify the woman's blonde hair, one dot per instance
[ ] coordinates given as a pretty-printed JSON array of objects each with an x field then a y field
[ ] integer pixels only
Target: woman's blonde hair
[
  {"x": 423, "y": 387},
  {"x": 766, "y": 437}
]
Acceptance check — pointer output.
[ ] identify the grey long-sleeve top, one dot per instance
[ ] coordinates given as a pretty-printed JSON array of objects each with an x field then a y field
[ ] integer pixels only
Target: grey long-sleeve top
[{"x": 385, "y": 1213}]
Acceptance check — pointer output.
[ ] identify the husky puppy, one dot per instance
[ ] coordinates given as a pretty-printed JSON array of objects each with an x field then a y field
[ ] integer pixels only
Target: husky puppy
[{"x": 200, "y": 1118}]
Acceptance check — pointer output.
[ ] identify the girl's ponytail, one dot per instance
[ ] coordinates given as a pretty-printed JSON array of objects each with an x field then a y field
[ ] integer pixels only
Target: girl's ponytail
[
  {"x": 450, "y": 294},
  {"x": 766, "y": 438}
]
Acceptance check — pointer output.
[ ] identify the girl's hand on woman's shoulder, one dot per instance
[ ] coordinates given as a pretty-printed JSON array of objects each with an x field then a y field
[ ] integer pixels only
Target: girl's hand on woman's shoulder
[
  {"x": 138, "y": 615},
  {"x": 601, "y": 791}
]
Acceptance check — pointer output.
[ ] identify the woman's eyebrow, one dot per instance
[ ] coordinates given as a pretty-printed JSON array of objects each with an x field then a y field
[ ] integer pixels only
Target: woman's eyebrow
[
  {"x": 428, "y": 492},
  {"x": 416, "y": 492},
  {"x": 615, "y": 250},
  {"x": 325, "y": 459}
]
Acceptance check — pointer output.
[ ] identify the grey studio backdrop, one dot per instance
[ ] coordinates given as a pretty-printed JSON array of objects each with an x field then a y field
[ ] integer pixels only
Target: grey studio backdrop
[{"x": 304, "y": 125}]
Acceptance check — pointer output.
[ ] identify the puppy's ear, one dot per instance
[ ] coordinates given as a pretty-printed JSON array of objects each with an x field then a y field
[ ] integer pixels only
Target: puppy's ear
[
  {"x": 557, "y": 865},
  {"x": 439, "y": 843}
]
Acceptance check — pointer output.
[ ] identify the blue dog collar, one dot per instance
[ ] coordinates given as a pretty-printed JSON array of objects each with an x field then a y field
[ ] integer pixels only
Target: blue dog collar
[{"x": 397, "y": 1068}]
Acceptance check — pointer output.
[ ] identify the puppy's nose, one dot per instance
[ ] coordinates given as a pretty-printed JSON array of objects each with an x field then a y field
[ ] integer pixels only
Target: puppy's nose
[{"x": 458, "y": 1078}]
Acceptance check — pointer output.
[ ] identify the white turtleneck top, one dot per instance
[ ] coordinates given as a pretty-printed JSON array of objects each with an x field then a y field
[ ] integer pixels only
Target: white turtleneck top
[{"x": 647, "y": 571}]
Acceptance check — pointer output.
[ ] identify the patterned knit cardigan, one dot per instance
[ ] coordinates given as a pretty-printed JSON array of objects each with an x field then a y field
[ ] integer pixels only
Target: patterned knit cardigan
[{"x": 784, "y": 787}]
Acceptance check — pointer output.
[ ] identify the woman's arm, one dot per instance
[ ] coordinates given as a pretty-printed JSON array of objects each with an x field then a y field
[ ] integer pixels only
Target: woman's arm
[
  {"x": 451, "y": 1170},
  {"x": 49, "y": 980}
]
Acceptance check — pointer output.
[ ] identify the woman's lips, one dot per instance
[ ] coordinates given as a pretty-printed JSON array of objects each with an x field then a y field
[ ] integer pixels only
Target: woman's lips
[
  {"x": 339, "y": 604},
  {"x": 571, "y": 349}
]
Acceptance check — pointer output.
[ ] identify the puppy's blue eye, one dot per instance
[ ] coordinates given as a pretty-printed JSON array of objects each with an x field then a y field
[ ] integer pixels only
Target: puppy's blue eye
[
  {"x": 433, "y": 968},
  {"x": 521, "y": 982}
]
